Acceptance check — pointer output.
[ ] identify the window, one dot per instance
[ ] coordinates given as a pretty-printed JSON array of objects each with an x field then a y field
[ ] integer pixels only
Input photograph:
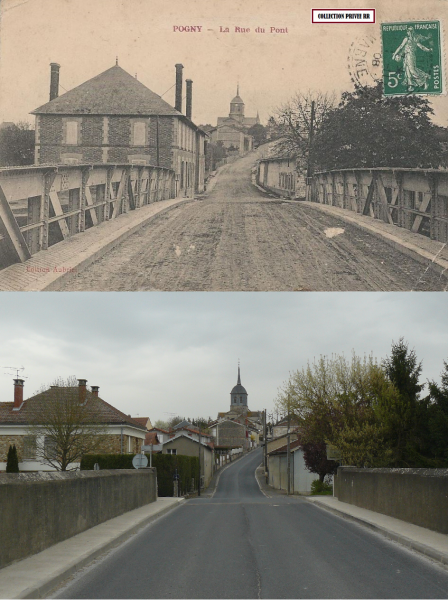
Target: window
[
  {"x": 50, "y": 448},
  {"x": 71, "y": 133},
  {"x": 29, "y": 447},
  {"x": 139, "y": 134},
  {"x": 171, "y": 451}
]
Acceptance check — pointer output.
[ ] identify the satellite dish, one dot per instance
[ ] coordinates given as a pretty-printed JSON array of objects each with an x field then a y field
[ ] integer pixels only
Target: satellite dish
[{"x": 140, "y": 461}]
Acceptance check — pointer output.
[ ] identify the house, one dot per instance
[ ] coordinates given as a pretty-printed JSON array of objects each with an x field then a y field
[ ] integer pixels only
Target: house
[
  {"x": 279, "y": 175},
  {"x": 300, "y": 478},
  {"x": 114, "y": 119},
  {"x": 145, "y": 421},
  {"x": 281, "y": 427},
  {"x": 183, "y": 443},
  {"x": 122, "y": 433}
]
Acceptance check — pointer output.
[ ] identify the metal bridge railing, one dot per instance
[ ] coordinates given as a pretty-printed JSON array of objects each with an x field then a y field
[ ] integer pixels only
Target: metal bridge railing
[{"x": 43, "y": 205}]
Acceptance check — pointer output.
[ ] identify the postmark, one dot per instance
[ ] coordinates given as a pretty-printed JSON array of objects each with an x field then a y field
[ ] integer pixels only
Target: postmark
[
  {"x": 412, "y": 58},
  {"x": 364, "y": 61}
]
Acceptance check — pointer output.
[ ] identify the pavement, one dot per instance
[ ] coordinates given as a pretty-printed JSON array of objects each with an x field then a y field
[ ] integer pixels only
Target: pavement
[
  {"x": 49, "y": 269},
  {"x": 429, "y": 543},
  {"x": 40, "y": 574}
]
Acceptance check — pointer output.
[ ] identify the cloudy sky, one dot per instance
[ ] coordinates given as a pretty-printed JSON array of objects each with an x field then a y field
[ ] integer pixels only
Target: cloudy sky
[
  {"x": 154, "y": 354},
  {"x": 85, "y": 36}
]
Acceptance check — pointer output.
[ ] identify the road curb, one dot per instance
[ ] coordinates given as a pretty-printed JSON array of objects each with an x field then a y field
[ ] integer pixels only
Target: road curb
[
  {"x": 56, "y": 579},
  {"x": 427, "y": 551}
]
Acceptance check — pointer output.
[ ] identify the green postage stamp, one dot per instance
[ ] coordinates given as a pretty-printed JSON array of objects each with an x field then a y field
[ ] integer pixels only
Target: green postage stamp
[{"x": 412, "y": 58}]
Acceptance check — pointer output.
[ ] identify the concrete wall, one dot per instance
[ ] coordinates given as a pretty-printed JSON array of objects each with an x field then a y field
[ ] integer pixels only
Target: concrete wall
[
  {"x": 302, "y": 477},
  {"x": 41, "y": 509},
  {"x": 419, "y": 496}
]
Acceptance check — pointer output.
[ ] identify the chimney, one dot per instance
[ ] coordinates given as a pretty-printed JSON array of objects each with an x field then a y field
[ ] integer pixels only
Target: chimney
[
  {"x": 82, "y": 390},
  {"x": 54, "y": 82},
  {"x": 189, "y": 97},
  {"x": 178, "y": 105},
  {"x": 95, "y": 389},
  {"x": 18, "y": 393}
]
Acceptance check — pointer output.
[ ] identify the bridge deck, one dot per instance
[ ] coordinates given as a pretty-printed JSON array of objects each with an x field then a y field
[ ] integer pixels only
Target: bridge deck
[{"x": 47, "y": 269}]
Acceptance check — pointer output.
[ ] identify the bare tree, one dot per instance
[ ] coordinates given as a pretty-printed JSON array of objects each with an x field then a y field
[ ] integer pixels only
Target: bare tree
[
  {"x": 293, "y": 123},
  {"x": 63, "y": 427}
]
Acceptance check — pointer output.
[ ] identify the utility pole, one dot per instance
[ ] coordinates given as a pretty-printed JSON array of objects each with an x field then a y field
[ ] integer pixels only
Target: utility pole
[
  {"x": 265, "y": 437},
  {"x": 199, "y": 455},
  {"x": 288, "y": 455},
  {"x": 309, "y": 170}
]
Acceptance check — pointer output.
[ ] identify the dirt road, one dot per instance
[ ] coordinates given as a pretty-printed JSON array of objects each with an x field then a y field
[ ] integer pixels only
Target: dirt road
[{"x": 241, "y": 239}]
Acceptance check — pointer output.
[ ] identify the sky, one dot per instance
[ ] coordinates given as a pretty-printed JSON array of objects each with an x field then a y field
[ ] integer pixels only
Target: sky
[
  {"x": 85, "y": 36},
  {"x": 163, "y": 354}
]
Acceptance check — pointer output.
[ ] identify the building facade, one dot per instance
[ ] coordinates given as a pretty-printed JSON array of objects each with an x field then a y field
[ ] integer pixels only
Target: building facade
[
  {"x": 114, "y": 119},
  {"x": 121, "y": 433},
  {"x": 279, "y": 175}
]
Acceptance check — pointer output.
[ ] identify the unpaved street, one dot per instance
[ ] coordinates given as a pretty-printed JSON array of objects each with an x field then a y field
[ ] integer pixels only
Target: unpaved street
[{"x": 239, "y": 239}]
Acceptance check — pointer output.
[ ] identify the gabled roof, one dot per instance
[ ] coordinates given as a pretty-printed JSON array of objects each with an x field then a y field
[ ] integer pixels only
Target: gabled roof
[
  {"x": 295, "y": 445},
  {"x": 95, "y": 406},
  {"x": 180, "y": 434},
  {"x": 151, "y": 439},
  {"x": 113, "y": 92},
  {"x": 143, "y": 421}
]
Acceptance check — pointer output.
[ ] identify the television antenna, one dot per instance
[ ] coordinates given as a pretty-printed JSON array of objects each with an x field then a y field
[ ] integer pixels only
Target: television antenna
[{"x": 16, "y": 369}]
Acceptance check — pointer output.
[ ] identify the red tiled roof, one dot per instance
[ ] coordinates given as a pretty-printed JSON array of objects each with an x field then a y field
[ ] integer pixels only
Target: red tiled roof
[
  {"x": 158, "y": 429},
  {"x": 95, "y": 406},
  {"x": 141, "y": 420},
  {"x": 113, "y": 92},
  {"x": 151, "y": 438}
]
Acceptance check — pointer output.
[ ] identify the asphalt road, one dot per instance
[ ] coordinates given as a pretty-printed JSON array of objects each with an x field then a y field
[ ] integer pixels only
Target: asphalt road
[
  {"x": 238, "y": 238},
  {"x": 241, "y": 544}
]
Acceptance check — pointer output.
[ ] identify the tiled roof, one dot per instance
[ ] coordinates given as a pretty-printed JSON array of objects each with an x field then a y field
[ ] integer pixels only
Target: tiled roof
[
  {"x": 151, "y": 438},
  {"x": 114, "y": 92},
  {"x": 158, "y": 429},
  {"x": 103, "y": 412},
  {"x": 141, "y": 420},
  {"x": 283, "y": 449}
]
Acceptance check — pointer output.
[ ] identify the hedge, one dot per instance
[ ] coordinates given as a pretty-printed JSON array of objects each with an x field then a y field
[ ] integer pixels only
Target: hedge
[{"x": 166, "y": 465}]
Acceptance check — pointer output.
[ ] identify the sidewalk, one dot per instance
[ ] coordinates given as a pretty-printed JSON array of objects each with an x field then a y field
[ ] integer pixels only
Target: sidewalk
[
  {"x": 38, "y": 575},
  {"x": 430, "y": 253},
  {"x": 49, "y": 269},
  {"x": 430, "y": 543}
]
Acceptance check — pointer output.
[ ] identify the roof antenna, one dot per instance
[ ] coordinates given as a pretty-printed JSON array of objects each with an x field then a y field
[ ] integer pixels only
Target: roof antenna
[{"x": 16, "y": 369}]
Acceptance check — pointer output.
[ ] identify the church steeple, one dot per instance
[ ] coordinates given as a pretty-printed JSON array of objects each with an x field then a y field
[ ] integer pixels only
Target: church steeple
[
  {"x": 237, "y": 106},
  {"x": 238, "y": 395}
]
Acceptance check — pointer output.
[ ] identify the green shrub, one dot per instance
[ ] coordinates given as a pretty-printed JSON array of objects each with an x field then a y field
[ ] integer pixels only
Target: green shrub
[
  {"x": 321, "y": 488},
  {"x": 12, "y": 462},
  {"x": 166, "y": 465}
]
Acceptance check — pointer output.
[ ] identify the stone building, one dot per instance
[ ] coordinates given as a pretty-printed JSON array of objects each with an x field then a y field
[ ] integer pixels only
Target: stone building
[
  {"x": 232, "y": 131},
  {"x": 279, "y": 175},
  {"x": 114, "y": 119},
  {"x": 182, "y": 443},
  {"x": 122, "y": 434}
]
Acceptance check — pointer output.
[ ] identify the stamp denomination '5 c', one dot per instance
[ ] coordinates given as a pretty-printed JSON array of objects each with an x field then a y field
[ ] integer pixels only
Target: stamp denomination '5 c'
[{"x": 412, "y": 58}]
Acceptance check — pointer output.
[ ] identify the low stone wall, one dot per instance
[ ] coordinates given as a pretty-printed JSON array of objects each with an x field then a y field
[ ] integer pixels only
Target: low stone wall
[
  {"x": 41, "y": 509},
  {"x": 418, "y": 496}
]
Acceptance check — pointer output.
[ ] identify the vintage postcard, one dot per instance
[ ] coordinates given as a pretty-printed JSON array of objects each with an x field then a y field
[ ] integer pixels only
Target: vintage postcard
[{"x": 239, "y": 146}]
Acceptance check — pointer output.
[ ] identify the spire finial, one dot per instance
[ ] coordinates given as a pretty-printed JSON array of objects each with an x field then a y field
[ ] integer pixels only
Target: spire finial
[
  {"x": 116, "y": 61},
  {"x": 239, "y": 378},
  {"x": 238, "y": 88}
]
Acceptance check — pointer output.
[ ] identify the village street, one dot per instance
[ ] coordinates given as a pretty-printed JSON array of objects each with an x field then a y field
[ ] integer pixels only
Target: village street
[
  {"x": 241, "y": 544},
  {"x": 237, "y": 238}
]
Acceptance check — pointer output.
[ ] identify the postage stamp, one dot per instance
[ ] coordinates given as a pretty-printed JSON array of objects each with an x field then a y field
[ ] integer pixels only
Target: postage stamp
[{"x": 412, "y": 58}]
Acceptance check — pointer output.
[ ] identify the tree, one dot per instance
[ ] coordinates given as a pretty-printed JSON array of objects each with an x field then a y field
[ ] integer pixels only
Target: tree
[
  {"x": 64, "y": 428},
  {"x": 12, "y": 462},
  {"x": 16, "y": 145},
  {"x": 315, "y": 457},
  {"x": 369, "y": 130},
  {"x": 258, "y": 132},
  {"x": 292, "y": 122},
  {"x": 437, "y": 408},
  {"x": 403, "y": 414},
  {"x": 160, "y": 424}
]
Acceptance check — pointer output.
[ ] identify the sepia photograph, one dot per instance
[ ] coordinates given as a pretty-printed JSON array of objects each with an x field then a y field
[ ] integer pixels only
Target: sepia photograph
[{"x": 222, "y": 147}]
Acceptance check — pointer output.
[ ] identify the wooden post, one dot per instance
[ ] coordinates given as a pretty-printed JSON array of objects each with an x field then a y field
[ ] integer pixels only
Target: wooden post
[{"x": 49, "y": 177}]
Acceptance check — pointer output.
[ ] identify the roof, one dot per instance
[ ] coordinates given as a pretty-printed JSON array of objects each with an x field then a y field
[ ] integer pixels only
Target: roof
[
  {"x": 158, "y": 429},
  {"x": 113, "y": 92},
  {"x": 238, "y": 388},
  {"x": 237, "y": 100},
  {"x": 295, "y": 444},
  {"x": 142, "y": 420},
  {"x": 180, "y": 434},
  {"x": 151, "y": 439},
  {"x": 95, "y": 406}
]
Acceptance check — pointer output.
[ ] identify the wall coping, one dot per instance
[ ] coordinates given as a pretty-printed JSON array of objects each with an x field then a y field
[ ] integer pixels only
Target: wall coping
[
  {"x": 44, "y": 476},
  {"x": 397, "y": 471}
]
